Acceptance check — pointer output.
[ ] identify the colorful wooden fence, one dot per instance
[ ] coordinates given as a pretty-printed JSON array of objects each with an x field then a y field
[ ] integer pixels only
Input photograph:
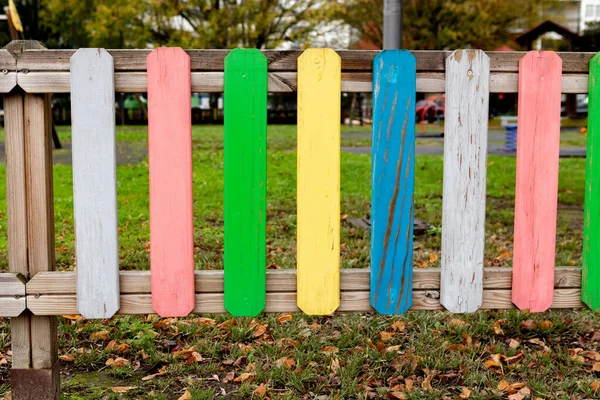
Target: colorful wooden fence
[{"x": 32, "y": 293}]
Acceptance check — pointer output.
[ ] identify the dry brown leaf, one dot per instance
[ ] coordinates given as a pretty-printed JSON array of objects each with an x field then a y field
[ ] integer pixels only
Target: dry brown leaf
[
  {"x": 503, "y": 385},
  {"x": 466, "y": 393},
  {"x": 494, "y": 361},
  {"x": 596, "y": 367},
  {"x": 426, "y": 385},
  {"x": 521, "y": 394},
  {"x": 100, "y": 335},
  {"x": 454, "y": 322},
  {"x": 410, "y": 384},
  {"x": 385, "y": 336},
  {"x": 161, "y": 371},
  {"x": 122, "y": 389},
  {"x": 528, "y": 324},
  {"x": 195, "y": 357},
  {"x": 204, "y": 321},
  {"x": 457, "y": 347},
  {"x": 143, "y": 354},
  {"x": 118, "y": 362},
  {"x": 74, "y": 317},
  {"x": 115, "y": 347},
  {"x": 392, "y": 348},
  {"x": 259, "y": 330},
  {"x": 592, "y": 355},
  {"x": 467, "y": 339},
  {"x": 335, "y": 365},
  {"x": 396, "y": 395},
  {"x": 497, "y": 329},
  {"x": 398, "y": 326},
  {"x": 185, "y": 353},
  {"x": 283, "y": 318},
  {"x": 288, "y": 363},
  {"x": 245, "y": 377},
  {"x": 330, "y": 350},
  {"x": 595, "y": 386},
  {"x": 186, "y": 396},
  {"x": 513, "y": 344},
  {"x": 67, "y": 357},
  {"x": 433, "y": 257},
  {"x": 260, "y": 391},
  {"x": 547, "y": 324}
]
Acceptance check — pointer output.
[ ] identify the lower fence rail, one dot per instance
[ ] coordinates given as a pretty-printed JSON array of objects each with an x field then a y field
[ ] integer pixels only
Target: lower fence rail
[{"x": 54, "y": 293}]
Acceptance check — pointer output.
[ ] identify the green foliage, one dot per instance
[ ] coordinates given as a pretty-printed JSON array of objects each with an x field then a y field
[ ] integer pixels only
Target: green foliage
[
  {"x": 192, "y": 24},
  {"x": 443, "y": 24}
]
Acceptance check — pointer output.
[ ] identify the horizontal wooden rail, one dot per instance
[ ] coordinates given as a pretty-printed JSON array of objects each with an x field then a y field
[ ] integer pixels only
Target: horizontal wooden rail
[
  {"x": 12, "y": 295},
  {"x": 53, "y": 293},
  {"x": 282, "y": 82},
  {"x": 213, "y": 60}
]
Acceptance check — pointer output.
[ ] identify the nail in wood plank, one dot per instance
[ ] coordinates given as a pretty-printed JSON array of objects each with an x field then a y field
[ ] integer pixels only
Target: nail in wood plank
[
  {"x": 393, "y": 165},
  {"x": 170, "y": 159},
  {"x": 95, "y": 182},
  {"x": 463, "y": 204},
  {"x": 590, "y": 289},
  {"x": 536, "y": 194},
  {"x": 245, "y": 181},
  {"x": 318, "y": 237}
]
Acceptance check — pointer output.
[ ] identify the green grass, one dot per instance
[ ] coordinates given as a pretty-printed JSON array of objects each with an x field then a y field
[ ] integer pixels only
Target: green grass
[
  {"x": 452, "y": 354},
  {"x": 347, "y": 356},
  {"x": 281, "y": 207}
]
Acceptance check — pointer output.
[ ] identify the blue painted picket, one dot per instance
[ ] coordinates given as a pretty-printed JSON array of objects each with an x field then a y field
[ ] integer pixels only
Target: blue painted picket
[{"x": 394, "y": 91}]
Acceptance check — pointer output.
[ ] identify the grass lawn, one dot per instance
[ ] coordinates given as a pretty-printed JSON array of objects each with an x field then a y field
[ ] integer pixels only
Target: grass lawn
[{"x": 417, "y": 356}]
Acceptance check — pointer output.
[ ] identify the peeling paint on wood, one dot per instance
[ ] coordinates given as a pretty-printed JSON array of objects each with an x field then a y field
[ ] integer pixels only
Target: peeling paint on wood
[
  {"x": 590, "y": 289},
  {"x": 465, "y": 156},
  {"x": 170, "y": 159},
  {"x": 319, "y": 97},
  {"x": 536, "y": 194},
  {"x": 95, "y": 182},
  {"x": 245, "y": 181},
  {"x": 393, "y": 166}
]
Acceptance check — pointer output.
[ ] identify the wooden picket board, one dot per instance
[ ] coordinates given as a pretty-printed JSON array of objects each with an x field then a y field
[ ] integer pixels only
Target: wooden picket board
[
  {"x": 465, "y": 157},
  {"x": 536, "y": 194},
  {"x": 170, "y": 159},
  {"x": 590, "y": 285},
  {"x": 245, "y": 181},
  {"x": 318, "y": 195},
  {"x": 95, "y": 182},
  {"x": 393, "y": 166}
]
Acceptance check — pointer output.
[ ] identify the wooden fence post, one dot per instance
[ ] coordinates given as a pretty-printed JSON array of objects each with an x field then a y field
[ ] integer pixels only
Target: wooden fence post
[{"x": 35, "y": 373}]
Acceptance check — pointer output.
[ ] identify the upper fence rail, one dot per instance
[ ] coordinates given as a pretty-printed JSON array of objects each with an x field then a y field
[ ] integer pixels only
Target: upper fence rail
[{"x": 47, "y": 71}]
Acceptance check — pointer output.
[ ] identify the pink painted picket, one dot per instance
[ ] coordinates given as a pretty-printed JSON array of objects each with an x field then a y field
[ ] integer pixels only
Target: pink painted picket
[
  {"x": 170, "y": 158},
  {"x": 536, "y": 196}
]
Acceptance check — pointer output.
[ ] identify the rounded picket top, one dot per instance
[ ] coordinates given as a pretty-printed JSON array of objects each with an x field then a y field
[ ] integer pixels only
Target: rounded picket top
[{"x": 255, "y": 55}]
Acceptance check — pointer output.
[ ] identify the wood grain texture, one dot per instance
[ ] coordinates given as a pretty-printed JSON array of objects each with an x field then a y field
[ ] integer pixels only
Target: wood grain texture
[
  {"x": 40, "y": 218},
  {"x": 318, "y": 185},
  {"x": 590, "y": 289},
  {"x": 12, "y": 285},
  {"x": 170, "y": 159},
  {"x": 12, "y": 307},
  {"x": 351, "y": 280},
  {"x": 498, "y": 299},
  {"x": 12, "y": 294},
  {"x": 95, "y": 182},
  {"x": 465, "y": 156},
  {"x": 393, "y": 181},
  {"x": 536, "y": 194},
  {"x": 286, "y": 82},
  {"x": 245, "y": 181},
  {"x": 16, "y": 197},
  {"x": 285, "y": 60}
]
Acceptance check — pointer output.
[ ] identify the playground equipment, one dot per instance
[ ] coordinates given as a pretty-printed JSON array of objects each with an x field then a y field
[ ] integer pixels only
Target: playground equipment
[
  {"x": 32, "y": 294},
  {"x": 510, "y": 124}
]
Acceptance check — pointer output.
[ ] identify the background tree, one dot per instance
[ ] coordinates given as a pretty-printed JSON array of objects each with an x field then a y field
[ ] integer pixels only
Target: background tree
[
  {"x": 191, "y": 23},
  {"x": 444, "y": 24}
]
